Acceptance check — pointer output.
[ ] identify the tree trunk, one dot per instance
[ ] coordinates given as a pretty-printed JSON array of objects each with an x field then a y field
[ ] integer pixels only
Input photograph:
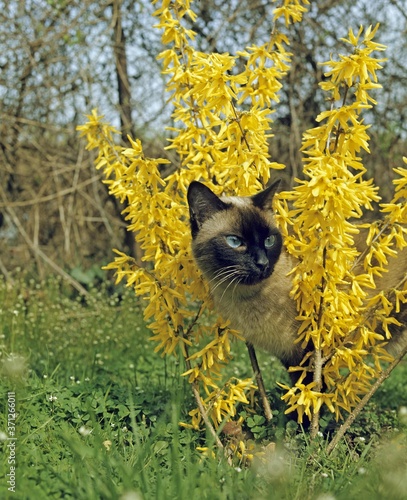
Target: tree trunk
[
  {"x": 123, "y": 83},
  {"x": 124, "y": 94}
]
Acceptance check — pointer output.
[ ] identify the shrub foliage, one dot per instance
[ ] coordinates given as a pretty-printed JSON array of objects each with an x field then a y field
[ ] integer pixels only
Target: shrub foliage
[{"x": 222, "y": 126}]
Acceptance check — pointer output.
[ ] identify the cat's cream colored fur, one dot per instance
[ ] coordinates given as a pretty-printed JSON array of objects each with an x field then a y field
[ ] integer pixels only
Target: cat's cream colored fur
[{"x": 264, "y": 312}]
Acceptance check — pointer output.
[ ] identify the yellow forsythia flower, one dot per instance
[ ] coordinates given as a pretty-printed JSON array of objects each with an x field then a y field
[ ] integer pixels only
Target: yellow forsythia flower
[
  {"x": 222, "y": 126},
  {"x": 331, "y": 286},
  {"x": 222, "y": 129}
]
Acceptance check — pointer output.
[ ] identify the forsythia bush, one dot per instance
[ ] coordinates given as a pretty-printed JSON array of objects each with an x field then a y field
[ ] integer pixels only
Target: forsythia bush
[
  {"x": 331, "y": 293},
  {"x": 223, "y": 121}
]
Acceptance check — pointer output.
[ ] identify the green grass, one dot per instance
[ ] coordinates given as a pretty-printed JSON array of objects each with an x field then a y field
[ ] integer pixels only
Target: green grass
[{"x": 98, "y": 413}]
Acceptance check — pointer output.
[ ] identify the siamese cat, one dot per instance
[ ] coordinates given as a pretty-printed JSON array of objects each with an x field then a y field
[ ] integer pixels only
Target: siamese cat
[{"x": 239, "y": 249}]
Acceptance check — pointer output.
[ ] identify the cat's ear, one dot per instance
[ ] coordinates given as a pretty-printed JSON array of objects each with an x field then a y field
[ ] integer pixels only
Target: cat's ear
[
  {"x": 203, "y": 204},
  {"x": 264, "y": 199}
]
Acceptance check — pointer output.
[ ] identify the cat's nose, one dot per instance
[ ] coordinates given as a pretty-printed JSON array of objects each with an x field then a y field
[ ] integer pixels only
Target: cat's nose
[{"x": 262, "y": 261}]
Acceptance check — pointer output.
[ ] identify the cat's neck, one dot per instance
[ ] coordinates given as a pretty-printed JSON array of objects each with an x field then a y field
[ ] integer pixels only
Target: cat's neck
[{"x": 264, "y": 312}]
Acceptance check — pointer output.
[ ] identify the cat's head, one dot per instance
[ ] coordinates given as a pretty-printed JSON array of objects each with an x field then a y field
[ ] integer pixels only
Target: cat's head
[{"x": 235, "y": 239}]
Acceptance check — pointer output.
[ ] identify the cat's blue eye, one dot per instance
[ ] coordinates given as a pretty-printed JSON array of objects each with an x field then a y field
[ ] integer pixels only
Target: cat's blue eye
[
  {"x": 270, "y": 241},
  {"x": 233, "y": 241}
]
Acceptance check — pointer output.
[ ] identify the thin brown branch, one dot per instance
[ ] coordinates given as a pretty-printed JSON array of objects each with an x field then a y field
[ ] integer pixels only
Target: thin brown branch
[
  {"x": 50, "y": 197},
  {"x": 260, "y": 383},
  {"x": 204, "y": 414},
  {"x": 36, "y": 250},
  {"x": 318, "y": 359},
  {"x": 318, "y": 363},
  {"x": 351, "y": 418},
  {"x": 240, "y": 126},
  {"x": 386, "y": 224},
  {"x": 70, "y": 214}
]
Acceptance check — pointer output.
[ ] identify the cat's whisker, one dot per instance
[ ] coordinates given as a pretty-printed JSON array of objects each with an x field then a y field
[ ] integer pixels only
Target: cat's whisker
[
  {"x": 224, "y": 275},
  {"x": 224, "y": 271},
  {"x": 234, "y": 288},
  {"x": 237, "y": 279},
  {"x": 225, "y": 278}
]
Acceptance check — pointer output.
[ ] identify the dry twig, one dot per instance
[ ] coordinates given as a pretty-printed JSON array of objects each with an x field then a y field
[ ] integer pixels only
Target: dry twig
[
  {"x": 35, "y": 248},
  {"x": 349, "y": 421},
  {"x": 259, "y": 380}
]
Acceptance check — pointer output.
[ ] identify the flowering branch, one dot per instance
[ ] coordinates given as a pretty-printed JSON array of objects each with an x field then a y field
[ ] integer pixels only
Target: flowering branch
[
  {"x": 223, "y": 123},
  {"x": 221, "y": 135},
  {"x": 330, "y": 293},
  {"x": 363, "y": 402},
  {"x": 197, "y": 396}
]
